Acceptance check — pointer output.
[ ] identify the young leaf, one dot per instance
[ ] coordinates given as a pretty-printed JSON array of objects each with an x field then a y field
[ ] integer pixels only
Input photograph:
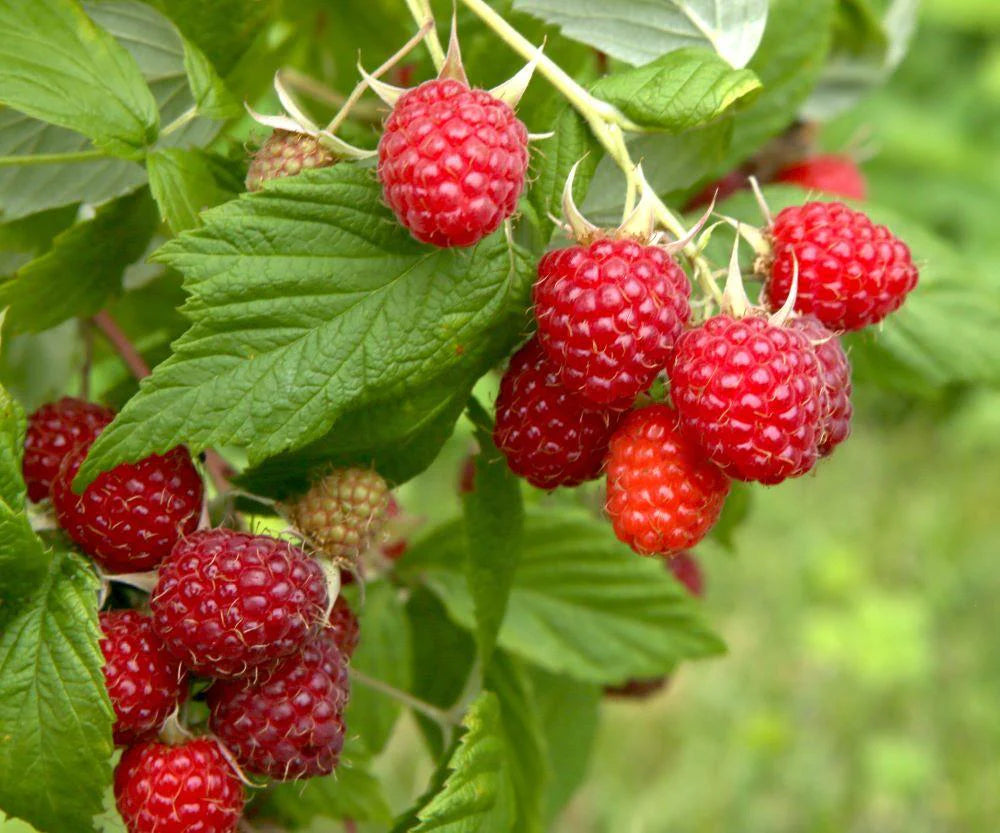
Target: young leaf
[
  {"x": 478, "y": 793},
  {"x": 183, "y": 186},
  {"x": 298, "y": 298},
  {"x": 494, "y": 534},
  {"x": 582, "y": 603},
  {"x": 636, "y": 31},
  {"x": 678, "y": 91},
  {"x": 383, "y": 653},
  {"x": 56, "y": 65},
  {"x": 83, "y": 268},
  {"x": 55, "y": 716},
  {"x": 211, "y": 96},
  {"x": 522, "y": 732}
]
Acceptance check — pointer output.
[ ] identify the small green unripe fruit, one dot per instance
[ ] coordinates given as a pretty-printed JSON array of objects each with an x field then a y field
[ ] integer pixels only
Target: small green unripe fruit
[
  {"x": 286, "y": 154},
  {"x": 343, "y": 513}
]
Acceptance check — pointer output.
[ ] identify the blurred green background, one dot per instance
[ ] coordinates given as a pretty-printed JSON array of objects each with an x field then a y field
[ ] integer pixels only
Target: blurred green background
[{"x": 860, "y": 605}]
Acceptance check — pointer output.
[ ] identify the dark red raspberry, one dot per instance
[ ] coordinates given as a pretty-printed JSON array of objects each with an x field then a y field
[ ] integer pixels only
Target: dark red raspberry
[
  {"x": 343, "y": 627},
  {"x": 53, "y": 431},
  {"x": 663, "y": 494},
  {"x": 549, "y": 436},
  {"x": 144, "y": 682},
  {"x": 229, "y": 602},
  {"x": 829, "y": 173},
  {"x": 286, "y": 154},
  {"x": 687, "y": 571},
  {"x": 130, "y": 517},
  {"x": 852, "y": 273},
  {"x": 188, "y": 788},
  {"x": 835, "y": 373},
  {"x": 748, "y": 392},
  {"x": 452, "y": 162},
  {"x": 289, "y": 723},
  {"x": 608, "y": 316}
]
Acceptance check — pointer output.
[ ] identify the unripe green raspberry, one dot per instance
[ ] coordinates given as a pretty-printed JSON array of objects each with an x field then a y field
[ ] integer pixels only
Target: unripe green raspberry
[
  {"x": 343, "y": 513},
  {"x": 286, "y": 154}
]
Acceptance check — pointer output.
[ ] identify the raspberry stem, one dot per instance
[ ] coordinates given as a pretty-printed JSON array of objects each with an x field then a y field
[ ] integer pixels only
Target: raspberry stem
[
  {"x": 439, "y": 716},
  {"x": 52, "y": 158},
  {"x": 422, "y": 15}
]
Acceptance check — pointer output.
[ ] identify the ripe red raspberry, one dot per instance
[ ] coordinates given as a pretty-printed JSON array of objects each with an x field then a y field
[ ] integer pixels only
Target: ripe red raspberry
[
  {"x": 852, "y": 273},
  {"x": 227, "y": 603},
  {"x": 663, "y": 494},
  {"x": 835, "y": 374},
  {"x": 343, "y": 513},
  {"x": 53, "y": 431},
  {"x": 130, "y": 517},
  {"x": 549, "y": 436},
  {"x": 285, "y": 154},
  {"x": 144, "y": 682},
  {"x": 343, "y": 627},
  {"x": 289, "y": 723},
  {"x": 748, "y": 392},
  {"x": 828, "y": 173},
  {"x": 608, "y": 316},
  {"x": 188, "y": 788},
  {"x": 687, "y": 571},
  {"x": 452, "y": 162}
]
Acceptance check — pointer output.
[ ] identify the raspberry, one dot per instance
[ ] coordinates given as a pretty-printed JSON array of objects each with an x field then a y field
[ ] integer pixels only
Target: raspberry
[
  {"x": 828, "y": 173},
  {"x": 549, "y": 436},
  {"x": 343, "y": 627},
  {"x": 189, "y": 788},
  {"x": 835, "y": 374},
  {"x": 452, "y": 162},
  {"x": 852, "y": 273},
  {"x": 289, "y": 724},
  {"x": 144, "y": 682},
  {"x": 748, "y": 392},
  {"x": 608, "y": 316},
  {"x": 343, "y": 513},
  {"x": 663, "y": 495},
  {"x": 229, "y": 602},
  {"x": 285, "y": 154},
  {"x": 687, "y": 571},
  {"x": 394, "y": 543},
  {"x": 53, "y": 430},
  {"x": 130, "y": 517}
]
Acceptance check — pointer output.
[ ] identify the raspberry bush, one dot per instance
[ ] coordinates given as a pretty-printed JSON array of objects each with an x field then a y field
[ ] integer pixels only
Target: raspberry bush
[{"x": 245, "y": 569}]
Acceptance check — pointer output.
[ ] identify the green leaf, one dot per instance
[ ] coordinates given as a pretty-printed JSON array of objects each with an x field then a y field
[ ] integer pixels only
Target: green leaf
[
  {"x": 522, "y": 732},
  {"x": 56, "y": 65},
  {"x": 299, "y": 296},
  {"x": 23, "y": 558},
  {"x": 637, "y": 31},
  {"x": 351, "y": 793},
  {"x": 183, "y": 185},
  {"x": 788, "y": 64},
  {"x": 211, "y": 96},
  {"x": 568, "y": 711},
  {"x": 582, "y": 603},
  {"x": 494, "y": 534},
  {"x": 83, "y": 267},
  {"x": 443, "y": 656},
  {"x": 382, "y": 653},
  {"x": 677, "y": 91},
  {"x": 34, "y": 233},
  {"x": 478, "y": 793},
  {"x": 55, "y": 716}
]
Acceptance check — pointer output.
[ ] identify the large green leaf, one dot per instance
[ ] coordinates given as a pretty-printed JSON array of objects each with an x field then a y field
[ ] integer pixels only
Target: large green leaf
[
  {"x": 638, "y": 31},
  {"x": 83, "y": 268},
  {"x": 494, "y": 531},
  {"x": 382, "y": 653},
  {"x": 183, "y": 185},
  {"x": 582, "y": 603},
  {"x": 57, "y": 66},
  {"x": 223, "y": 29},
  {"x": 308, "y": 301},
  {"x": 55, "y": 716},
  {"x": 677, "y": 91},
  {"x": 478, "y": 793}
]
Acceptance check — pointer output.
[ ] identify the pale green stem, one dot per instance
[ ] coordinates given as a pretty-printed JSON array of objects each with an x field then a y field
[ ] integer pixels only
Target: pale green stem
[
  {"x": 52, "y": 158},
  {"x": 185, "y": 117},
  {"x": 422, "y": 14},
  {"x": 443, "y": 718}
]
